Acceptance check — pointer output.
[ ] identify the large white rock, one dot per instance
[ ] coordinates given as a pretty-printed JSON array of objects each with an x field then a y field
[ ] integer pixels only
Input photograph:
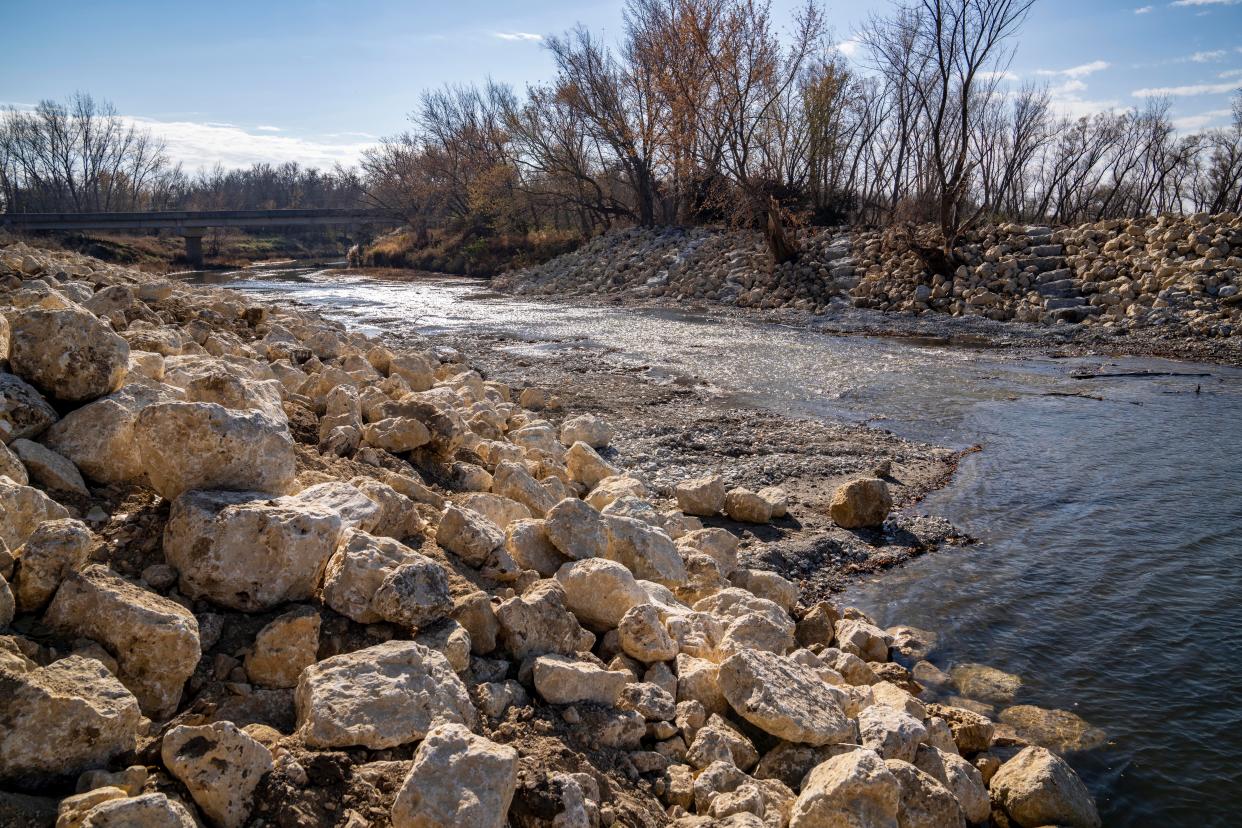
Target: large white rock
[
  {"x": 357, "y": 570},
  {"x": 537, "y": 622},
  {"x": 61, "y": 719},
  {"x": 646, "y": 551},
  {"x": 458, "y": 780},
  {"x": 892, "y": 733},
  {"x": 853, "y": 790},
  {"x": 1037, "y": 787},
  {"x": 23, "y": 411},
  {"x": 861, "y": 503},
  {"x": 586, "y": 466},
  {"x": 154, "y": 640},
  {"x": 99, "y": 437},
  {"x": 750, "y": 622},
  {"x": 564, "y": 680},
  {"x": 599, "y": 592},
  {"x": 67, "y": 353},
  {"x": 588, "y": 429},
  {"x": 153, "y": 810},
  {"x": 380, "y": 697},
  {"x": 469, "y": 535},
  {"x": 925, "y": 803},
  {"x": 55, "y": 549},
  {"x": 49, "y": 469},
  {"x": 961, "y": 778},
  {"x": 643, "y": 637},
  {"x": 415, "y": 594},
  {"x": 576, "y": 529},
  {"x": 220, "y": 765},
  {"x": 783, "y": 698},
  {"x": 247, "y": 551},
  {"x": 22, "y": 509},
  {"x": 187, "y": 446},
  {"x": 702, "y": 496}
]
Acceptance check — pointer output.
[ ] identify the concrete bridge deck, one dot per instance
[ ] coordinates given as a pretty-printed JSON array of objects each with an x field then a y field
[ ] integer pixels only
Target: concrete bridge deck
[{"x": 193, "y": 224}]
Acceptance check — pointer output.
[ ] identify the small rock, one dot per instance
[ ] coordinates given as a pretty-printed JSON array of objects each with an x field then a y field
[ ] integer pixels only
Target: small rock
[
  {"x": 458, "y": 779},
  {"x": 702, "y": 496},
  {"x": 220, "y": 765},
  {"x": 284, "y": 648},
  {"x": 861, "y": 503}
]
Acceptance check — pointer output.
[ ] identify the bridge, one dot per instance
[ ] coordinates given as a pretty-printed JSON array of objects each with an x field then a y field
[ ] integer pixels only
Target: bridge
[{"x": 193, "y": 224}]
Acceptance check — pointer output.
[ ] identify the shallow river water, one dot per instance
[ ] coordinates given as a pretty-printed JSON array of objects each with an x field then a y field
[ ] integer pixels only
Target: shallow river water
[{"x": 1109, "y": 569}]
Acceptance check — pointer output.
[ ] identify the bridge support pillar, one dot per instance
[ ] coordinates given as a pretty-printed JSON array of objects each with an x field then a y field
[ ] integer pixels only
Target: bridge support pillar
[{"x": 194, "y": 247}]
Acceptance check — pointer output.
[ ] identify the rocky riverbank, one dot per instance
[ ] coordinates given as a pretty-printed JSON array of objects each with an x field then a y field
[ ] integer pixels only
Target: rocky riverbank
[
  {"x": 1166, "y": 286},
  {"x": 258, "y": 569}
]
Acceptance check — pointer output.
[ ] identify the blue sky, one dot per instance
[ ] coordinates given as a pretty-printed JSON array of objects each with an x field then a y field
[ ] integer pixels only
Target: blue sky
[{"x": 318, "y": 81}]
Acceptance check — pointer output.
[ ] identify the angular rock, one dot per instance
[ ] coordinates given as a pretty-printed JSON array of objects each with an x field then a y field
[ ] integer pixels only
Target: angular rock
[
  {"x": 783, "y": 698},
  {"x": 716, "y": 741},
  {"x": 55, "y": 549},
  {"x": 586, "y": 466},
  {"x": 925, "y": 803},
  {"x": 646, "y": 551},
  {"x": 99, "y": 437},
  {"x": 67, "y": 353},
  {"x": 185, "y": 445},
  {"x": 357, "y": 511},
  {"x": 154, "y": 640},
  {"x": 861, "y": 503},
  {"x": 564, "y": 680},
  {"x": 588, "y": 429},
  {"x": 1058, "y": 730},
  {"x": 284, "y": 648},
  {"x": 615, "y": 488},
  {"x": 514, "y": 482},
  {"x": 11, "y": 466},
  {"x": 853, "y": 790},
  {"x": 702, "y": 496},
  {"x": 750, "y": 621},
  {"x": 246, "y": 551},
  {"x": 527, "y": 543},
  {"x": 577, "y": 530},
  {"x": 971, "y": 731},
  {"x": 396, "y": 434},
  {"x": 153, "y": 810},
  {"x": 469, "y": 535},
  {"x": 220, "y": 765},
  {"x": 599, "y": 591},
  {"x": 643, "y": 637},
  {"x": 22, "y": 510},
  {"x": 415, "y": 594},
  {"x": 867, "y": 641},
  {"x": 49, "y": 469},
  {"x": 537, "y": 622},
  {"x": 356, "y": 570},
  {"x": 892, "y": 733},
  {"x": 746, "y": 506},
  {"x": 1037, "y": 787},
  {"x": 23, "y": 411},
  {"x": 379, "y": 697},
  {"x": 961, "y": 778},
  {"x": 458, "y": 780},
  {"x": 63, "y": 718}
]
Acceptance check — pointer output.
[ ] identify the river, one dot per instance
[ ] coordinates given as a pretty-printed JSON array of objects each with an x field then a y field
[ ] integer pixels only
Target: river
[{"x": 1108, "y": 573}]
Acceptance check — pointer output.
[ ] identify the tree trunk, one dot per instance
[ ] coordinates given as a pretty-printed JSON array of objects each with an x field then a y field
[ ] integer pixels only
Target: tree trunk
[{"x": 783, "y": 249}]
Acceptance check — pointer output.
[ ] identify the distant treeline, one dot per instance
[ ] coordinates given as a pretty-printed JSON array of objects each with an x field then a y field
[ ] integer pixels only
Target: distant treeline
[{"x": 703, "y": 111}]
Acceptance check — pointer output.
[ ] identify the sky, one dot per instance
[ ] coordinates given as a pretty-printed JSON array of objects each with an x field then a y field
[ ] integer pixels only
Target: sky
[{"x": 317, "y": 82}]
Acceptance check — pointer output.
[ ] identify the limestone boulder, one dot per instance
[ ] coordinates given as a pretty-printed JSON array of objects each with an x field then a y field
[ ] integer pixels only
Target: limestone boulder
[
  {"x": 746, "y": 506},
  {"x": 564, "y": 680},
  {"x": 396, "y": 434},
  {"x": 23, "y": 411},
  {"x": 643, "y": 636},
  {"x": 925, "y": 803},
  {"x": 646, "y": 551},
  {"x": 750, "y": 622},
  {"x": 599, "y": 592},
  {"x": 527, "y": 543},
  {"x": 379, "y": 697},
  {"x": 64, "y": 718},
  {"x": 615, "y": 488},
  {"x": 892, "y": 733},
  {"x": 220, "y": 765},
  {"x": 984, "y": 683},
  {"x": 861, "y": 503},
  {"x": 8, "y": 604},
  {"x": 718, "y": 741},
  {"x": 1037, "y": 787},
  {"x": 11, "y": 466},
  {"x": 538, "y": 621},
  {"x": 499, "y": 509},
  {"x": 702, "y": 496},
  {"x": 469, "y": 535},
  {"x": 513, "y": 481},
  {"x": 458, "y": 779},
  {"x": 586, "y": 466},
  {"x": 188, "y": 445},
  {"x": 49, "y": 469},
  {"x": 22, "y": 510},
  {"x": 783, "y": 698},
  {"x": 718, "y": 544},
  {"x": 853, "y": 790},
  {"x": 357, "y": 511},
  {"x": 153, "y": 810},
  {"x": 588, "y": 429},
  {"x": 415, "y": 594},
  {"x": 865, "y": 640},
  {"x": 961, "y": 778},
  {"x": 284, "y": 648},
  {"x": 356, "y": 571},
  {"x": 247, "y": 551},
  {"x": 99, "y": 437},
  {"x": 55, "y": 549},
  {"x": 239, "y": 393},
  {"x": 972, "y": 732},
  {"x": 576, "y": 529},
  {"x": 67, "y": 353},
  {"x": 155, "y": 641}
]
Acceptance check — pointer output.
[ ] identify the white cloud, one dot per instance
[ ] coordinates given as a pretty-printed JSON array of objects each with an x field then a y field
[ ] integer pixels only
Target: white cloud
[
  {"x": 1077, "y": 71},
  {"x": 203, "y": 145},
  {"x": 263, "y": 128},
  {"x": 1207, "y": 57},
  {"x": 850, "y": 47},
  {"x": 1067, "y": 100},
  {"x": 1185, "y": 91},
  {"x": 518, "y": 36},
  {"x": 998, "y": 76},
  {"x": 1191, "y": 123},
  {"x": 1144, "y": 9},
  {"x": 1206, "y": 2},
  {"x": 1231, "y": 73}
]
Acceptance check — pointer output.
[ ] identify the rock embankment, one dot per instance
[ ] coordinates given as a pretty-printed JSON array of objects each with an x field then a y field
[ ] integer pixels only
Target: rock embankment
[
  {"x": 257, "y": 569},
  {"x": 1179, "y": 274}
]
